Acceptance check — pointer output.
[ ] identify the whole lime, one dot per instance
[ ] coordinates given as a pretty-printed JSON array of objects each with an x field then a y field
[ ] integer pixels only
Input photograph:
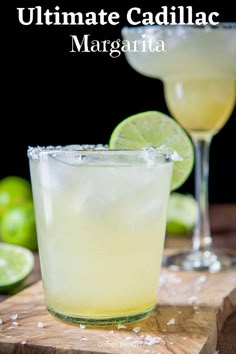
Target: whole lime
[
  {"x": 18, "y": 226},
  {"x": 182, "y": 214},
  {"x": 14, "y": 190}
]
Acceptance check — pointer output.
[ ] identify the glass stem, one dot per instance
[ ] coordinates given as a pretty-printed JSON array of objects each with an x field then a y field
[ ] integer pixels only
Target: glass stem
[{"x": 202, "y": 238}]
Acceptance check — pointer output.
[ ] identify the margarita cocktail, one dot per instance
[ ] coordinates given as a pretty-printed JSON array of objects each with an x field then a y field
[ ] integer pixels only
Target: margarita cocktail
[
  {"x": 101, "y": 218},
  {"x": 198, "y": 69}
]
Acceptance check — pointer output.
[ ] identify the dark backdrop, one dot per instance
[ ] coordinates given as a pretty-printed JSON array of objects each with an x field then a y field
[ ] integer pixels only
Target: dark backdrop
[{"x": 51, "y": 96}]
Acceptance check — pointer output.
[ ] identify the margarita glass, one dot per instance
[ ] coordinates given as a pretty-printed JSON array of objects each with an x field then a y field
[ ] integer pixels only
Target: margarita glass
[
  {"x": 198, "y": 69},
  {"x": 100, "y": 230}
]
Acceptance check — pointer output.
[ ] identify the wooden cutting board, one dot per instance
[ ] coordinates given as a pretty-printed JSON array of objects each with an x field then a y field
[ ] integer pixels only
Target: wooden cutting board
[{"x": 191, "y": 310}]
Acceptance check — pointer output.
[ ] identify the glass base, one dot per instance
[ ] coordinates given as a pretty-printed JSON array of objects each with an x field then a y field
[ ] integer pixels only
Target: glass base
[
  {"x": 102, "y": 321},
  {"x": 211, "y": 261}
]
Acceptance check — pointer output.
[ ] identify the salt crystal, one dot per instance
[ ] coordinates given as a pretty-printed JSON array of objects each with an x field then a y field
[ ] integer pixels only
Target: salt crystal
[
  {"x": 202, "y": 279},
  {"x": 1, "y": 321},
  {"x": 111, "y": 332},
  {"x": 136, "y": 329},
  {"x": 23, "y": 342},
  {"x": 184, "y": 338},
  {"x": 15, "y": 323},
  {"x": 179, "y": 312},
  {"x": 8, "y": 337},
  {"x": 194, "y": 300},
  {"x": 41, "y": 324},
  {"x": 82, "y": 326},
  {"x": 128, "y": 338},
  {"x": 171, "y": 343},
  {"x": 83, "y": 339},
  {"x": 151, "y": 340},
  {"x": 121, "y": 326},
  {"x": 14, "y": 317},
  {"x": 171, "y": 322},
  {"x": 195, "y": 307},
  {"x": 169, "y": 278}
]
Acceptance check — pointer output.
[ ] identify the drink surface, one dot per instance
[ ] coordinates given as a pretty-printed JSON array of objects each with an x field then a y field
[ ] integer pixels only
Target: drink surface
[
  {"x": 190, "y": 51},
  {"x": 101, "y": 234}
]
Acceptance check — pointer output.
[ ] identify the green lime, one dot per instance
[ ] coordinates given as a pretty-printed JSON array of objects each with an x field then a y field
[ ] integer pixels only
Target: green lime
[
  {"x": 16, "y": 263},
  {"x": 182, "y": 214},
  {"x": 18, "y": 226},
  {"x": 156, "y": 129},
  {"x": 13, "y": 190}
]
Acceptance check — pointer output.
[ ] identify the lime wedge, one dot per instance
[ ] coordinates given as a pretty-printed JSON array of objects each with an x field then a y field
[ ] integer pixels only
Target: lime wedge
[
  {"x": 182, "y": 214},
  {"x": 156, "y": 129},
  {"x": 16, "y": 263}
]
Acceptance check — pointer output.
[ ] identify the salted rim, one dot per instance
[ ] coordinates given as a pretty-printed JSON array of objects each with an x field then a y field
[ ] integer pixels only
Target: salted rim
[
  {"x": 207, "y": 28},
  {"x": 34, "y": 153}
]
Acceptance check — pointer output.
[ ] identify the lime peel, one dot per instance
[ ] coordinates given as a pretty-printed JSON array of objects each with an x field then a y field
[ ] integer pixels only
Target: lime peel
[
  {"x": 18, "y": 226},
  {"x": 14, "y": 190}
]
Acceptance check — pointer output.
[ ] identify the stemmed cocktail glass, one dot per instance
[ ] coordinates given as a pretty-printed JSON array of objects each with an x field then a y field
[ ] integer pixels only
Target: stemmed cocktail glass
[{"x": 198, "y": 69}]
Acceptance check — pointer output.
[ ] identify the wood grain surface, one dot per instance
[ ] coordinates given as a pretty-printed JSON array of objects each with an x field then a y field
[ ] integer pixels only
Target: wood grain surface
[{"x": 191, "y": 310}]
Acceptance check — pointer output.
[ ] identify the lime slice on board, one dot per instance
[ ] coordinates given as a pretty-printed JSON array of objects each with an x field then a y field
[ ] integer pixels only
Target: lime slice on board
[
  {"x": 182, "y": 214},
  {"x": 16, "y": 263},
  {"x": 153, "y": 128}
]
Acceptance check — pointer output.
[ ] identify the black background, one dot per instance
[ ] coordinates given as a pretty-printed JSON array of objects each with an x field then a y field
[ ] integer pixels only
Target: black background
[{"x": 53, "y": 97}]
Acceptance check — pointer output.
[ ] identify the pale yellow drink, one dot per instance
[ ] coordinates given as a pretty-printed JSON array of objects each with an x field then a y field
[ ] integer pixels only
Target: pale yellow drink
[
  {"x": 198, "y": 68},
  {"x": 101, "y": 226},
  {"x": 201, "y": 104}
]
